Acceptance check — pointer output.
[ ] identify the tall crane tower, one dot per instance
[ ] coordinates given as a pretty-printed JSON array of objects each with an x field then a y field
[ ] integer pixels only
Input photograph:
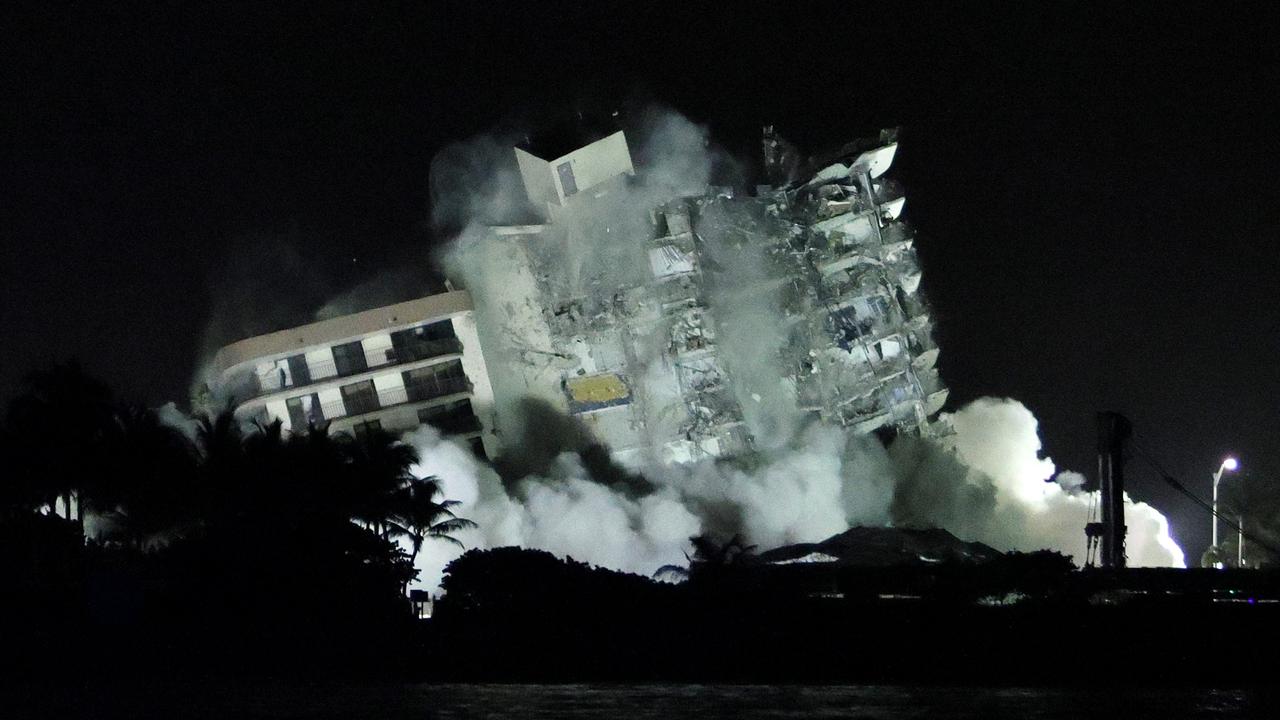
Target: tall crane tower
[{"x": 1114, "y": 431}]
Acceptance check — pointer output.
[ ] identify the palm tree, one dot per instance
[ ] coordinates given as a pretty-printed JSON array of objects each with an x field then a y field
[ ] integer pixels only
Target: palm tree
[
  {"x": 389, "y": 500},
  {"x": 422, "y": 516},
  {"x": 379, "y": 472}
]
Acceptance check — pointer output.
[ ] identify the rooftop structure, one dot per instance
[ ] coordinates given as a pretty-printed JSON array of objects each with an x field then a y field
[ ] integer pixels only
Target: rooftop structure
[
  {"x": 551, "y": 181},
  {"x": 391, "y": 368}
]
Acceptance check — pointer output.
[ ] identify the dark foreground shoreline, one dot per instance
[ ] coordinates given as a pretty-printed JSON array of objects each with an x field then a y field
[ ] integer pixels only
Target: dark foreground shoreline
[
  {"x": 518, "y": 616},
  {"x": 386, "y": 701},
  {"x": 806, "y": 641}
]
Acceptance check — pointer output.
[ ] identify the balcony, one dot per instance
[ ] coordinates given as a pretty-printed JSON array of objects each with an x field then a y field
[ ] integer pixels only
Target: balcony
[
  {"x": 321, "y": 371},
  {"x": 419, "y": 391},
  {"x": 423, "y": 350}
]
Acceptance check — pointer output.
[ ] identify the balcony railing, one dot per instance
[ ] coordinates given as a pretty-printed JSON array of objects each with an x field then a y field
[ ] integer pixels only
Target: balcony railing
[
  {"x": 322, "y": 370},
  {"x": 361, "y": 404},
  {"x": 423, "y": 349},
  {"x": 418, "y": 391}
]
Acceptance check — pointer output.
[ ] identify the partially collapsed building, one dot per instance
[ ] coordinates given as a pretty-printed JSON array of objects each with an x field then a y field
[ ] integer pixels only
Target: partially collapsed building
[
  {"x": 674, "y": 322},
  {"x": 717, "y": 319}
]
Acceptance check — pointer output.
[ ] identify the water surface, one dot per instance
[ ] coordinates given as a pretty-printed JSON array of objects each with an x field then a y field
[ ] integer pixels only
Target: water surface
[{"x": 704, "y": 702}]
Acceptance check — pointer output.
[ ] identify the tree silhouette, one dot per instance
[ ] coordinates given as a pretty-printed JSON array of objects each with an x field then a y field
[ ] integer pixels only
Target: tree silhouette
[
  {"x": 144, "y": 486},
  {"x": 395, "y": 503},
  {"x": 55, "y": 435},
  {"x": 707, "y": 552},
  {"x": 423, "y": 517}
]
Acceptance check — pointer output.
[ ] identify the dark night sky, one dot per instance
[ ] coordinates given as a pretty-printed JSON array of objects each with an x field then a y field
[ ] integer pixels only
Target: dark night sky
[{"x": 1096, "y": 192}]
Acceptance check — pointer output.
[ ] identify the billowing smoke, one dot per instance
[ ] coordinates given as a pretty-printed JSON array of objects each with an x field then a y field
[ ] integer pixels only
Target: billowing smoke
[
  {"x": 992, "y": 488},
  {"x": 803, "y": 482},
  {"x": 1017, "y": 502},
  {"x": 245, "y": 299}
]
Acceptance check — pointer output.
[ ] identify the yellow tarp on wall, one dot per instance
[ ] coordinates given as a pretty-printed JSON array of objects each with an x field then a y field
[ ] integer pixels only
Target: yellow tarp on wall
[{"x": 597, "y": 389}]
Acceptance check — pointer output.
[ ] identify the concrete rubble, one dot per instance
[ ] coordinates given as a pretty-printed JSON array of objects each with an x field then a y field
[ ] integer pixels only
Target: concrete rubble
[{"x": 706, "y": 324}]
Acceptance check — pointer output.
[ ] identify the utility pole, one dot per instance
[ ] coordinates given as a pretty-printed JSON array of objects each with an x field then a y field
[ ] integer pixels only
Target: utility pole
[
  {"x": 1231, "y": 464},
  {"x": 1240, "y": 544}
]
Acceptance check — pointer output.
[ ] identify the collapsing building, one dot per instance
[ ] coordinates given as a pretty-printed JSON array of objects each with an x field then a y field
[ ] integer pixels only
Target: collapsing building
[
  {"x": 679, "y": 324},
  {"x": 390, "y": 368},
  {"x": 674, "y": 321}
]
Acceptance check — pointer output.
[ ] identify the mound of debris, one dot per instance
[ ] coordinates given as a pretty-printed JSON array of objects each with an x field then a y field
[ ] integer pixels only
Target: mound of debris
[{"x": 884, "y": 547}]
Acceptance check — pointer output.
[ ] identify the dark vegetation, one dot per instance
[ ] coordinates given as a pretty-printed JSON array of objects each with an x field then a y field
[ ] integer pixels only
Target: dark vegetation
[
  {"x": 223, "y": 550},
  {"x": 1014, "y": 619},
  {"x": 214, "y": 548}
]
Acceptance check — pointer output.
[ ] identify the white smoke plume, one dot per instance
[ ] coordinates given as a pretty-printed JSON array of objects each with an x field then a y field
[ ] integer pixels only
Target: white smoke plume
[
  {"x": 803, "y": 485},
  {"x": 992, "y": 488},
  {"x": 999, "y": 439}
]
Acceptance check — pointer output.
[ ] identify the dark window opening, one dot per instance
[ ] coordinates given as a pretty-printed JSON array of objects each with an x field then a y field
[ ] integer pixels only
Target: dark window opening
[
  {"x": 304, "y": 411},
  {"x": 349, "y": 358},
  {"x": 435, "y": 381},
  {"x": 477, "y": 448},
  {"x": 567, "y": 183},
  {"x": 455, "y": 418},
  {"x": 363, "y": 429},
  {"x": 360, "y": 397},
  {"x": 298, "y": 370},
  {"x": 426, "y": 341}
]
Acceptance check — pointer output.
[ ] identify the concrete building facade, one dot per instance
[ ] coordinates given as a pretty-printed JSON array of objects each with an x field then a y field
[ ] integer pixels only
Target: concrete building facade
[
  {"x": 391, "y": 368},
  {"x": 672, "y": 329},
  {"x": 648, "y": 349}
]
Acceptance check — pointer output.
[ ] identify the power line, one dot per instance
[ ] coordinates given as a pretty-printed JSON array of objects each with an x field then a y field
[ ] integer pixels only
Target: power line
[{"x": 1208, "y": 507}]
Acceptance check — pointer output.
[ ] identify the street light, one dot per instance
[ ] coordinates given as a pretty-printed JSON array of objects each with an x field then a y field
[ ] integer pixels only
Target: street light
[{"x": 1229, "y": 464}]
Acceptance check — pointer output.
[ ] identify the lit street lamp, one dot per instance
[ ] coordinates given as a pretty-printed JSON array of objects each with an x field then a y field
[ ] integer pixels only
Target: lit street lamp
[{"x": 1230, "y": 464}]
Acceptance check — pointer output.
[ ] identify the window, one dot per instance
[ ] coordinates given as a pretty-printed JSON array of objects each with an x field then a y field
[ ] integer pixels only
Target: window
[
  {"x": 349, "y": 358},
  {"x": 451, "y": 418},
  {"x": 360, "y": 397},
  {"x": 304, "y": 411},
  {"x": 425, "y": 341},
  {"x": 436, "y": 380},
  {"x": 366, "y": 428},
  {"x": 298, "y": 370},
  {"x": 567, "y": 183}
]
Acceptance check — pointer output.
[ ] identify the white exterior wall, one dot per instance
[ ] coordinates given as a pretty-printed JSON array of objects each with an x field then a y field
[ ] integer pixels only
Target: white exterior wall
[
  {"x": 269, "y": 372},
  {"x": 375, "y": 349},
  {"x": 473, "y": 364},
  {"x": 539, "y": 182},
  {"x": 277, "y": 410},
  {"x": 600, "y": 161},
  {"x": 593, "y": 164},
  {"x": 390, "y": 387},
  {"x": 331, "y": 400},
  {"x": 320, "y": 363}
]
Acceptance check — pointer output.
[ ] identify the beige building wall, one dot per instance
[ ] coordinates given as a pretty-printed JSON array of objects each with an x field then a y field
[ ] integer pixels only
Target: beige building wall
[
  {"x": 266, "y": 357},
  {"x": 590, "y": 165}
]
